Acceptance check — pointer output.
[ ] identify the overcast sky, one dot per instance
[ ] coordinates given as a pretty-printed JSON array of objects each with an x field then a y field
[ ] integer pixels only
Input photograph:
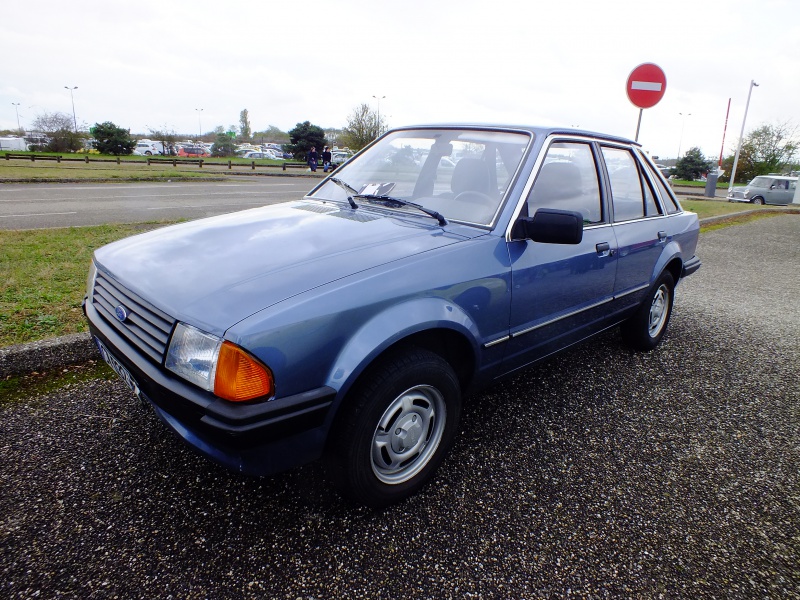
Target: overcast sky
[{"x": 150, "y": 64}]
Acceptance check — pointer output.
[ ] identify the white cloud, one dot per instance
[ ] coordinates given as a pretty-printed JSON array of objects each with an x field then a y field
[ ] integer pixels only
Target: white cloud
[{"x": 150, "y": 64}]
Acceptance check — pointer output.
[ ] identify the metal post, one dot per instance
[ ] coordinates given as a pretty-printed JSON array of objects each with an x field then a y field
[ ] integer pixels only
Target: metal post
[
  {"x": 638, "y": 125},
  {"x": 683, "y": 124},
  {"x": 741, "y": 135},
  {"x": 74, "y": 119},
  {"x": 380, "y": 127},
  {"x": 16, "y": 108},
  {"x": 199, "y": 124}
]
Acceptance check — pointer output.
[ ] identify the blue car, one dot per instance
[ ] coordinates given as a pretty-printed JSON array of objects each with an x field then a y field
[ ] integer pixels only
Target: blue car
[{"x": 350, "y": 324}]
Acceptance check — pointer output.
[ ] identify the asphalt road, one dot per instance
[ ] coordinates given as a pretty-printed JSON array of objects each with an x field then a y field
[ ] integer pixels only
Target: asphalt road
[
  {"x": 600, "y": 473},
  {"x": 43, "y": 205}
]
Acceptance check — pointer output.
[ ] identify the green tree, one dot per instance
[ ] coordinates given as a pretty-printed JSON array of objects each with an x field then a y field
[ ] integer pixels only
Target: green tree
[
  {"x": 692, "y": 165},
  {"x": 59, "y": 128},
  {"x": 767, "y": 149},
  {"x": 110, "y": 139},
  {"x": 303, "y": 137},
  {"x": 363, "y": 126},
  {"x": 223, "y": 145},
  {"x": 244, "y": 125}
]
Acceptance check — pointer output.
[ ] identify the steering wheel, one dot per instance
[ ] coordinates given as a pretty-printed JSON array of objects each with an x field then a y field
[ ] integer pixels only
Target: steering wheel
[{"x": 473, "y": 197}]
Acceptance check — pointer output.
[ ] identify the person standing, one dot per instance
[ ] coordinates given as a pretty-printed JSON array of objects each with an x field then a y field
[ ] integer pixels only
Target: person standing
[
  {"x": 326, "y": 159},
  {"x": 313, "y": 157}
]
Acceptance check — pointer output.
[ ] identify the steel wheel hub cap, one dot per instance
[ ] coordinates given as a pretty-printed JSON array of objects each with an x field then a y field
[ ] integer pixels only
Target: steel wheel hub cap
[{"x": 408, "y": 434}]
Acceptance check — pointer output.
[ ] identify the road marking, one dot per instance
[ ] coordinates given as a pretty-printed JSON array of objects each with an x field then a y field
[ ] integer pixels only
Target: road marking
[{"x": 39, "y": 214}]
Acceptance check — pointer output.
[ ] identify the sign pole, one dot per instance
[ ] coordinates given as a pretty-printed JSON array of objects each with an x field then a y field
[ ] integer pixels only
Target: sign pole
[
  {"x": 645, "y": 87},
  {"x": 638, "y": 125}
]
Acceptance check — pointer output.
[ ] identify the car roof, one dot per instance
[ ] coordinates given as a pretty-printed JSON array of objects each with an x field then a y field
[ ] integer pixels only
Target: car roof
[{"x": 535, "y": 130}]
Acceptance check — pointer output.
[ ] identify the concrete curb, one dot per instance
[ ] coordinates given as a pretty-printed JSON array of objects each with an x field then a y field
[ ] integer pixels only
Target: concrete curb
[
  {"x": 48, "y": 354},
  {"x": 77, "y": 348}
]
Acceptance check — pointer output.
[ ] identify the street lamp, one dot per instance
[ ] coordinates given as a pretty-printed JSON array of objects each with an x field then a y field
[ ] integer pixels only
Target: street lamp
[
  {"x": 379, "y": 112},
  {"x": 16, "y": 108},
  {"x": 199, "y": 123},
  {"x": 683, "y": 124},
  {"x": 75, "y": 120},
  {"x": 741, "y": 135}
]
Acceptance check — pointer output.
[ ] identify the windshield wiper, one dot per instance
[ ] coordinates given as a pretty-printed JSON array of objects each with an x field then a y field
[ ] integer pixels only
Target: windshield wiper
[
  {"x": 392, "y": 202},
  {"x": 351, "y": 191}
]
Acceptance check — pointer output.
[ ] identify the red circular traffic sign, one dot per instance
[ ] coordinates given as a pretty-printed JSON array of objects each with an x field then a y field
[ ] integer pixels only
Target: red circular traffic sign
[{"x": 646, "y": 85}]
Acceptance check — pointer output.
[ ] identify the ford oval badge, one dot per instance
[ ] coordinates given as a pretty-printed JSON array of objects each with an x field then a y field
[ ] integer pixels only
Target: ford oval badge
[{"x": 122, "y": 314}]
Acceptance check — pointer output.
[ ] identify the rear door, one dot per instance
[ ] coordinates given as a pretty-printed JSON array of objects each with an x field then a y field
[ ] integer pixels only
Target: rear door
[{"x": 640, "y": 226}]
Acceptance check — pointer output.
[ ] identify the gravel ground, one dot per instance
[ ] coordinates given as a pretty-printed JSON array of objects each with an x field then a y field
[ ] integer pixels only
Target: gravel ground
[{"x": 601, "y": 473}]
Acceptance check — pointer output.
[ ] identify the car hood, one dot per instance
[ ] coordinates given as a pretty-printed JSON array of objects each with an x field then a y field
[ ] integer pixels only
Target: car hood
[{"x": 214, "y": 272}]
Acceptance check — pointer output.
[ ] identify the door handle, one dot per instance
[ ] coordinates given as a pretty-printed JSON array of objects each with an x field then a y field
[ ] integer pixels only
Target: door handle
[
  {"x": 604, "y": 249},
  {"x": 662, "y": 236}
]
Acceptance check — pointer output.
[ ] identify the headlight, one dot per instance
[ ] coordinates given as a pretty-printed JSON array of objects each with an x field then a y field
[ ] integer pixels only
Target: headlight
[
  {"x": 217, "y": 366},
  {"x": 90, "y": 279}
]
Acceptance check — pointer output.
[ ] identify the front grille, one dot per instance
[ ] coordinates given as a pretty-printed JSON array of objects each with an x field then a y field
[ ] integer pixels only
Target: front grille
[{"x": 146, "y": 327}]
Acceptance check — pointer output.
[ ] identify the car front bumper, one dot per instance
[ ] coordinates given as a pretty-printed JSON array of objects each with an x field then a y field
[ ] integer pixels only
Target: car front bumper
[{"x": 260, "y": 438}]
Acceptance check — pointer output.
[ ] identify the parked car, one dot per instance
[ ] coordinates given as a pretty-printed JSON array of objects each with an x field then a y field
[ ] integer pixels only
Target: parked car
[
  {"x": 193, "y": 151},
  {"x": 338, "y": 158},
  {"x": 148, "y": 148},
  {"x": 350, "y": 324},
  {"x": 766, "y": 189}
]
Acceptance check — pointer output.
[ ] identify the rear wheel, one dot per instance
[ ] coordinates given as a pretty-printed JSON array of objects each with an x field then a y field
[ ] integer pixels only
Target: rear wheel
[
  {"x": 644, "y": 330},
  {"x": 396, "y": 429}
]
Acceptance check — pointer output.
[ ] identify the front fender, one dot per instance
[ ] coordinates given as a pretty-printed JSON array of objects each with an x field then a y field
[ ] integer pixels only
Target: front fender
[{"x": 390, "y": 326}]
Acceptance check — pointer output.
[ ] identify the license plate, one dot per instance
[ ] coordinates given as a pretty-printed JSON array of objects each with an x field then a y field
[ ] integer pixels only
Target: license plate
[{"x": 119, "y": 369}]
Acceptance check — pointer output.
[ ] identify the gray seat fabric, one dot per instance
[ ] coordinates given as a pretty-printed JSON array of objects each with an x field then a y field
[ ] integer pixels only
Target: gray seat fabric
[
  {"x": 470, "y": 175},
  {"x": 557, "y": 181}
]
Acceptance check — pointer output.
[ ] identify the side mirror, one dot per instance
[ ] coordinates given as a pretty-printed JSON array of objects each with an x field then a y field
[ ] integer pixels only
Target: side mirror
[{"x": 552, "y": 226}]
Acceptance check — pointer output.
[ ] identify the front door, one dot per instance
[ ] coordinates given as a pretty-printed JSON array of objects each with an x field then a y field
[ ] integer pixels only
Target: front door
[{"x": 560, "y": 293}]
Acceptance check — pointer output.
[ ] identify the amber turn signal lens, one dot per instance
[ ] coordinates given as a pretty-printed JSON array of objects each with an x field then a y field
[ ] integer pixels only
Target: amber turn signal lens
[{"x": 241, "y": 377}]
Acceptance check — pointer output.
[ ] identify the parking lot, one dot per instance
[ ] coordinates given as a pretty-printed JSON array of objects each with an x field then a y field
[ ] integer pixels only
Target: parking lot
[{"x": 599, "y": 473}]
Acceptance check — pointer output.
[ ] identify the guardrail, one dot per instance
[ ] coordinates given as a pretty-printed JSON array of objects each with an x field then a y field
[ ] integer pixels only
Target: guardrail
[{"x": 174, "y": 161}]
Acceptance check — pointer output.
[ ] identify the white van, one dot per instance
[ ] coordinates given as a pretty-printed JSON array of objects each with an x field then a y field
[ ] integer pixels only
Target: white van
[{"x": 13, "y": 144}]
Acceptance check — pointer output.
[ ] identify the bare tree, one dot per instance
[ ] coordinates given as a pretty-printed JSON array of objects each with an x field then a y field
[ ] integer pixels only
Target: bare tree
[
  {"x": 363, "y": 126},
  {"x": 58, "y": 127}
]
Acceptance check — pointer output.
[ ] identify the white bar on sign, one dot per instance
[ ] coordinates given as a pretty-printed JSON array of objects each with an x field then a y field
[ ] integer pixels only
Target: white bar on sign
[{"x": 650, "y": 86}]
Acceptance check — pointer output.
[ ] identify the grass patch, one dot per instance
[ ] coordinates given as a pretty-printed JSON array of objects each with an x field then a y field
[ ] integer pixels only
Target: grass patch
[
  {"x": 715, "y": 208},
  {"x": 135, "y": 168},
  {"x": 739, "y": 220},
  {"x": 20, "y": 388},
  {"x": 43, "y": 278}
]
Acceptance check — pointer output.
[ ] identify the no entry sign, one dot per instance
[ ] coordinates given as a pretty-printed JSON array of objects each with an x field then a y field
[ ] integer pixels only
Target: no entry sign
[{"x": 646, "y": 85}]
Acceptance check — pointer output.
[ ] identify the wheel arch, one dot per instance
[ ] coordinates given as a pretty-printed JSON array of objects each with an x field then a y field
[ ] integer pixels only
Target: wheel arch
[{"x": 432, "y": 324}]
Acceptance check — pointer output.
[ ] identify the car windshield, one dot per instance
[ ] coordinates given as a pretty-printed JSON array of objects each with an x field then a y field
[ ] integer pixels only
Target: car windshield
[
  {"x": 461, "y": 173},
  {"x": 761, "y": 182}
]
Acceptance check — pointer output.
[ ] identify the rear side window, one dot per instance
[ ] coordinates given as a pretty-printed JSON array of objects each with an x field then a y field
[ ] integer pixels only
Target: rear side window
[
  {"x": 568, "y": 181},
  {"x": 631, "y": 193}
]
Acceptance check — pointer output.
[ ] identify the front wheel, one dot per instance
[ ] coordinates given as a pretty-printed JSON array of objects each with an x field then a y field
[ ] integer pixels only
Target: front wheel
[
  {"x": 396, "y": 428},
  {"x": 644, "y": 330},
  {"x": 758, "y": 200}
]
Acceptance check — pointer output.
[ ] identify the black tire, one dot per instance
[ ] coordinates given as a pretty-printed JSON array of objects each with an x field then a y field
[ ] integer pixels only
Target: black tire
[
  {"x": 644, "y": 330},
  {"x": 758, "y": 200},
  {"x": 396, "y": 428}
]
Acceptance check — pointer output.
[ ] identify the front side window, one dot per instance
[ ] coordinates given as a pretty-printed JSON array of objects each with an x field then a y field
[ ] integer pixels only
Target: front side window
[{"x": 568, "y": 180}]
